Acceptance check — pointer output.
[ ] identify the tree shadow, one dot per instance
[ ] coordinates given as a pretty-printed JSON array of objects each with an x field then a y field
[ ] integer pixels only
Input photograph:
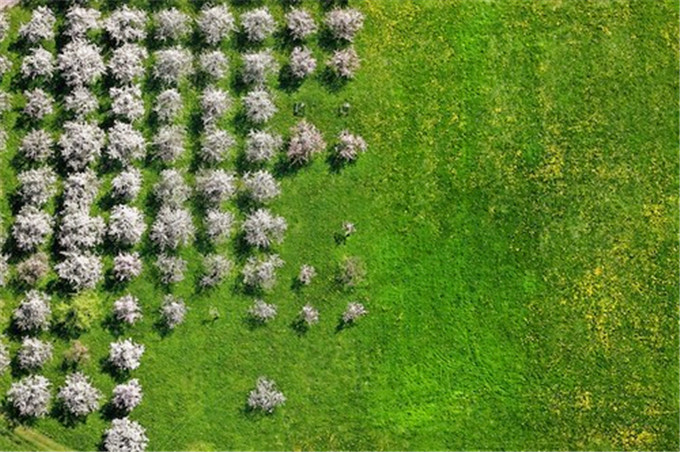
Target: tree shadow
[
  {"x": 337, "y": 164},
  {"x": 288, "y": 82},
  {"x": 118, "y": 375},
  {"x": 332, "y": 81},
  {"x": 64, "y": 416},
  {"x": 299, "y": 326}
]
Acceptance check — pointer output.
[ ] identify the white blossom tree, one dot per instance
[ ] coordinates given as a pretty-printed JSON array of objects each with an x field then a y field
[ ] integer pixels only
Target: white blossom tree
[
  {"x": 353, "y": 312},
  {"x": 81, "y": 144},
  {"x": 300, "y": 24},
  {"x": 37, "y": 186},
  {"x": 125, "y": 436},
  {"x": 171, "y": 24},
  {"x": 38, "y": 103},
  {"x": 259, "y": 106},
  {"x": 216, "y": 145},
  {"x": 125, "y": 355},
  {"x": 34, "y": 312},
  {"x": 80, "y": 190},
  {"x": 168, "y": 105},
  {"x": 127, "y": 266},
  {"x": 262, "y": 312},
  {"x": 31, "y": 228},
  {"x": 5, "y": 359},
  {"x": 126, "y": 24},
  {"x": 305, "y": 141},
  {"x": 80, "y": 270},
  {"x": 350, "y": 146},
  {"x": 261, "y": 146},
  {"x": 33, "y": 353},
  {"x": 173, "y": 311},
  {"x": 171, "y": 189},
  {"x": 37, "y": 145},
  {"x": 261, "y": 272},
  {"x": 257, "y": 66},
  {"x": 127, "y": 184},
  {"x": 125, "y": 143},
  {"x": 126, "y": 225},
  {"x": 127, "y": 102},
  {"x": 309, "y": 315},
  {"x": 127, "y": 62},
  {"x": 41, "y": 25},
  {"x": 171, "y": 268},
  {"x": 79, "y": 231},
  {"x": 344, "y": 23},
  {"x": 30, "y": 396},
  {"x": 172, "y": 228},
  {"x": 258, "y": 24},
  {"x": 215, "y": 186},
  {"x": 169, "y": 143},
  {"x": 127, "y": 396},
  {"x": 344, "y": 62},
  {"x": 302, "y": 62},
  {"x": 78, "y": 396},
  {"x": 126, "y": 309},
  {"x": 80, "y": 20},
  {"x": 215, "y": 22},
  {"x": 32, "y": 269},
  {"x": 307, "y": 273},
  {"x": 214, "y": 104},
  {"x": 261, "y": 185},
  {"x": 215, "y": 269},
  {"x": 80, "y": 63},
  {"x": 38, "y": 63},
  {"x": 218, "y": 225},
  {"x": 81, "y": 101},
  {"x": 172, "y": 65},
  {"x": 214, "y": 63},
  {"x": 265, "y": 396}
]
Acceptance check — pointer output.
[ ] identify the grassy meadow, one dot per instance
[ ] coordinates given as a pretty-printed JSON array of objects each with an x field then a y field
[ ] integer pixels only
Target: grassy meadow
[{"x": 517, "y": 211}]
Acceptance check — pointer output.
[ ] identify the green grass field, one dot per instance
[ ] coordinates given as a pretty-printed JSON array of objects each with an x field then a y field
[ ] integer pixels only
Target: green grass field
[{"x": 517, "y": 212}]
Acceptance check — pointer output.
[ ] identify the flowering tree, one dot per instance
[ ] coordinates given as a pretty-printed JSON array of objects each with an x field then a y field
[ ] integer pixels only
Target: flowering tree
[
  {"x": 30, "y": 396},
  {"x": 172, "y": 228},
  {"x": 38, "y": 63},
  {"x": 214, "y": 102},
  {"x": 127, "y": 102},
  {"x": 33, "y": 353},
  {"x": 127, "y": 396},
  {"x": 125, "y": 436},
  {"x": 125, "y": 143},
  {"x": 80, "y": 270},
  {"x": 168, "y": 105},
  {"x": 37, "y": 186},
  {"x": 81, "y": 101},
  {"x": 80, "y": 63},
  {"x": 127, "y": 184},
  {"x": 261, "y": 272},
  {"x": 261, "y": 228},
  {"x": 31, "y": 228},
  {"x": 171, "y": 190},
  {"x": 33, "y": 314},
  {"x": 169, "y": 143},
  {"x": 126, "y": 225},
  {"x": 78, "y": 395},
  {"x": 126, "y": 24},
  {"x": 215, "y": 270},
  {"x": 353, "y": 312},
  {"x": 258, "y": 24},
  {"x": 126, "y": 309},
  {"x": 33, "y": 268},
  {"x": 218, "y": 225},
  {"x": 214, "y": 63},
  {"x": 302, "y": 62},
  {"x": 173, "y": 311},
  {"x": 215, "y": 22},
  {"x": 305, "y": 141},
  {"x": 261, "y": 185},
  {"x": 261, "y": 146},
  {"x": 171, "y": 268},
  {"x": 171, "y": 24},
  {"x": 265, "y": 396},
  {"x": 300, "y": 24},
  {"x": 38, "y": 103},
  {"x": 345, "y": 62},
  {"x": 307, "y": 273},
  {"x": 80, "y": 190},
  {"x": 216, "y": 145},
  {"x": 5, "y": 360},
  {"x": 125, "y": 354},
  {"x": 349, "y": 146},
  {"x": 79, "y": 231},
  {"x": 127, "y": 266},
  {"x": 81, "y": 144},
  {"x": 36, "y": 145},
  {"x": 127, "y": 62},
  {"x": 259, "y": 106},
  {"x": 172, "y": 64},
  {"x": 80, "y": 20},
  {"x": 257, "y": 66},
  {"x": 41, "y": 25},
  {"x": 215, "y": 186},
  {"x": 262, "y": 312},
  {"x": 344, "y": 23},
  {"x": 309, "y": 315}
]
